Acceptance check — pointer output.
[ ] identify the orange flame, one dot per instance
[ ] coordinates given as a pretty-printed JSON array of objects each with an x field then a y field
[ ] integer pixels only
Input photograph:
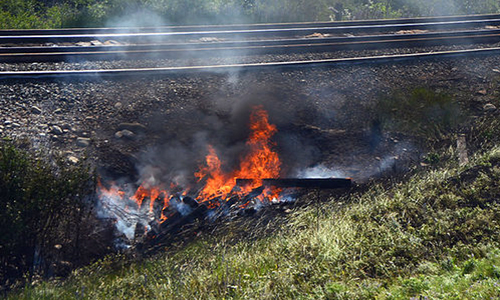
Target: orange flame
[
  {"x": 217, "y": 184},
  {"x": 259, "y": 162}
]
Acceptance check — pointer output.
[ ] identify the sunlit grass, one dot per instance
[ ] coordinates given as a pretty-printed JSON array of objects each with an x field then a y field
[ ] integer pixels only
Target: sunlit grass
[{"x": 426, "y": 237}]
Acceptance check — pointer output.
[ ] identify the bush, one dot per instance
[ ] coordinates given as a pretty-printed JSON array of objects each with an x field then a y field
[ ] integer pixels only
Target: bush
[{"x": 42, "y": 212}]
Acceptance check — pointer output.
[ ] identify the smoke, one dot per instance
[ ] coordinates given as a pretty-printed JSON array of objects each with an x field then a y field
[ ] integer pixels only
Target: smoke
[
  {"x": 319, "y": 171},
  {"x": 127, "y": 214}
]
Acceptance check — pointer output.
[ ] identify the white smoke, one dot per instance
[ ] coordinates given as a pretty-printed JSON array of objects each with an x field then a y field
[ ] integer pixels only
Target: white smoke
[
  {"x": 125, "y": 213},
  {"x": 319, "y": 171}
]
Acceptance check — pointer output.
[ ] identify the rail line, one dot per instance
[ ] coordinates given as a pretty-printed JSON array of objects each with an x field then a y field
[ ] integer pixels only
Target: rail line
[
  {"x": 229, "y": 33},
  {"x": 205, "y": 28},
  {"x": 193, "y": 50},
  {"x": 69, "y": 74}
]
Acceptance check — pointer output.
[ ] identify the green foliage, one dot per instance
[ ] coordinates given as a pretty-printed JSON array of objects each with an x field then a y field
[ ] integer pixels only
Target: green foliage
[
  {"x": 92, "y": 13},
  {"x": 36, "y": 200}
]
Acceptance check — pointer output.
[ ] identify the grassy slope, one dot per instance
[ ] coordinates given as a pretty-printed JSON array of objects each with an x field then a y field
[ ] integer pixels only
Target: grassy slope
[{"x": 434, "y": 235}]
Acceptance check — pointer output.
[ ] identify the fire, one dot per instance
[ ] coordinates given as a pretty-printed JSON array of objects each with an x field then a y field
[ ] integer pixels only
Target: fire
[
  {"x": 217, "y": 183},
  {"x": 261, "y": 161},
  {"x": 258, "y": 162}
]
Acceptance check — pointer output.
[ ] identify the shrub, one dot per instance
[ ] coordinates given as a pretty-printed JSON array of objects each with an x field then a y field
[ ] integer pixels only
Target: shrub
[{"x": 42, "y": 208}]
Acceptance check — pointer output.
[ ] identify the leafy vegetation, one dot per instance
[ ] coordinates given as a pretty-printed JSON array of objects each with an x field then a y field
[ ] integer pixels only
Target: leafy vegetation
[
  {"x": 91, "y": 13},
  {"x": 41, "y": 211}
]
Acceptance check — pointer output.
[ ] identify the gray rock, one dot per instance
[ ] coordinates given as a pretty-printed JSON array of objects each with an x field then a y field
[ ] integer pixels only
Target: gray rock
[
  {"x": 56, "y": 130},
  {"x": 82, "y": 142},
  {"x": 489, "y": 107},
  {"x": 36, "y": 110},
  {"x": 73, "y": 160},
  {"x": 125, "y": 134},
  {"x": 134, "y": 127}
]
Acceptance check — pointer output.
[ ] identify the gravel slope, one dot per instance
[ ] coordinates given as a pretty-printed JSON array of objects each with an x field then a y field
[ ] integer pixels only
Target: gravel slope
[{"x": 323, "y": 115}]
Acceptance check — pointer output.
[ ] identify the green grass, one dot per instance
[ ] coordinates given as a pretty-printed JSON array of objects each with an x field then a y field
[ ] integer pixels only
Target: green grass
[{"x": 434, "y": 235}]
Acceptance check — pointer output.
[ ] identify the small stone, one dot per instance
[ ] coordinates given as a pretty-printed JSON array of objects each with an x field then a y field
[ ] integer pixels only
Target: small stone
[
  {"x": 7, "y": 123},
  {"x": 489, "y": 107},
  {"x": 118, "y": 105},
  {"x": 73, "y": 160},
  {"x": 56, "y": 130},
  {"x": 126, "y": 134},
  {"x": 82, "y": 142},
  {"x": 17, "y": 125},
  {"x": 58, "y": 111},
  {"x": 36, "y": 110},
  {"x": 482, "y": 92}
]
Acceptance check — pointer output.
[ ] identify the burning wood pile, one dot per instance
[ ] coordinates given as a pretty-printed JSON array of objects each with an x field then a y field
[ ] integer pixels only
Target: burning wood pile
[{"x": 153, "y": 211}]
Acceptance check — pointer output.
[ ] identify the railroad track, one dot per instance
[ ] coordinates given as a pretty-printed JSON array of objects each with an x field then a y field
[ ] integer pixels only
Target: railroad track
[
  {"x": 258, "y": 47},
  {"x": 287, "y": 39},
  {"x": 69, "y": 74},
  {"x": 390, "y": 24}
]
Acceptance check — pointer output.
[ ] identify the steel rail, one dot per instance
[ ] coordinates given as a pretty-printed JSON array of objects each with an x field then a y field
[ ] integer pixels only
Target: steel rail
[
  {"x": 282, "y": 32},
  {"x": 248, "y": 47},
  {"x": 231, "y": 68},
  {"x": 188, "y": 28},
  {"x": 251, "y": 47},
  {"x": 242, "y": 43}
]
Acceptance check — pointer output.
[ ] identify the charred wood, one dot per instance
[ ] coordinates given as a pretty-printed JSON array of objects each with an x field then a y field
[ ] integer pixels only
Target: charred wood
[{"x": 313, "y": 183}]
